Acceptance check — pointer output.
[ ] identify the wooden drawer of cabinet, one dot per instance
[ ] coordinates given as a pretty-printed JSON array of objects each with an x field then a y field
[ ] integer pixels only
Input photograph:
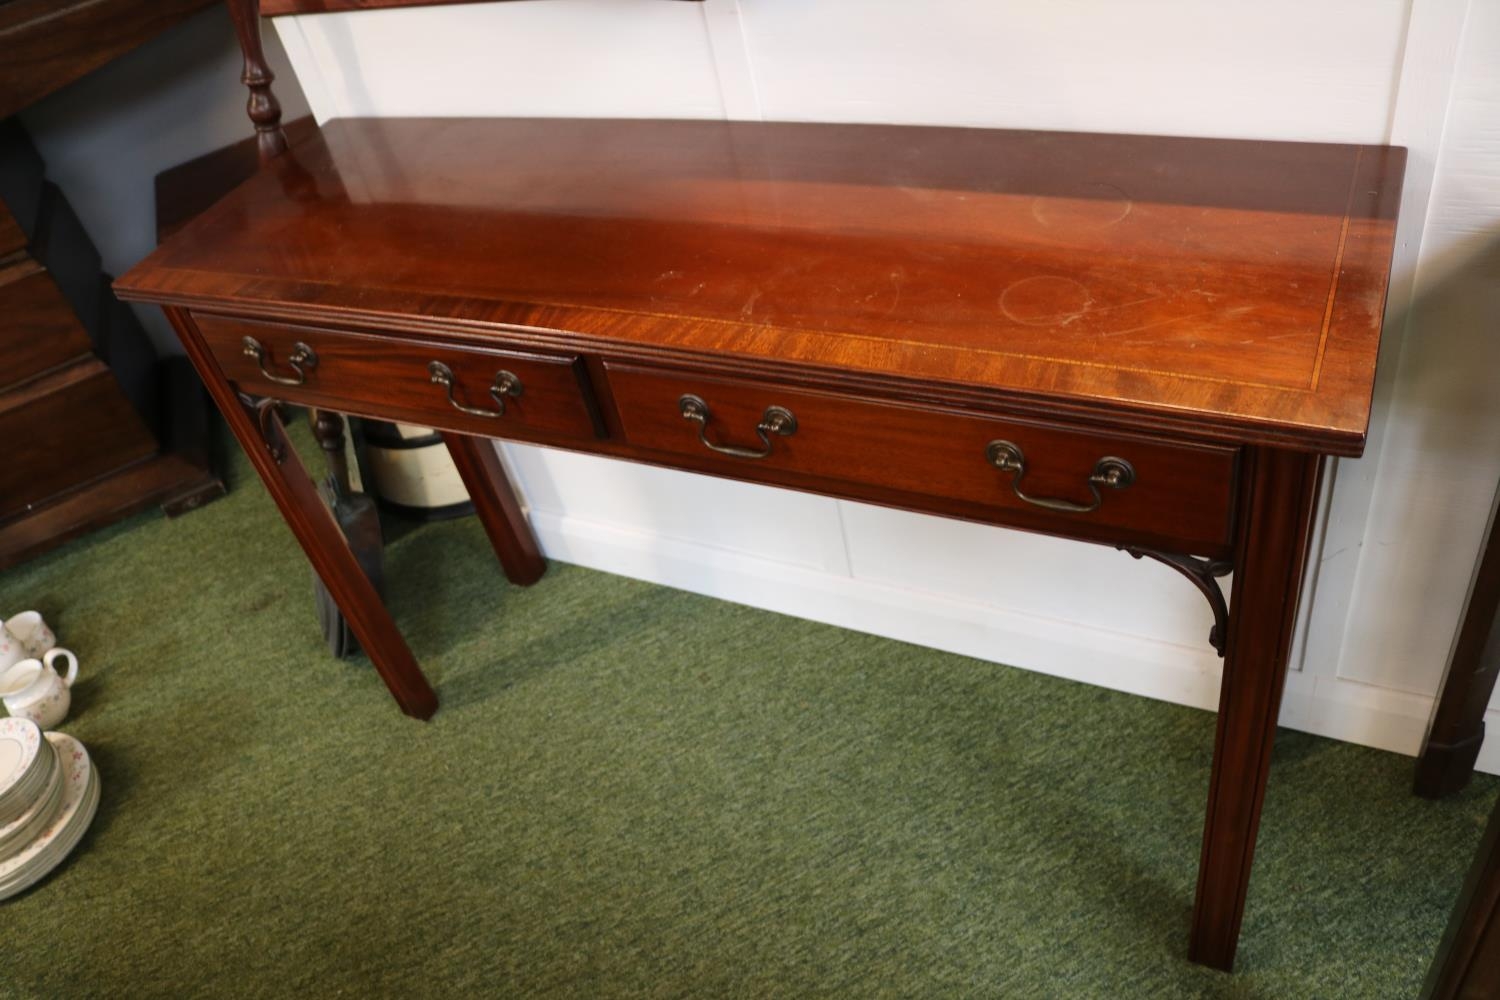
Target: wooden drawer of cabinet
[
  {"x": 64, "y": 430},
  {"x": 11, "y": 237},
  {"x": 477, "y": 390},
  {"x": 1181, "y": 492},
  {"x": 38, "y": 329}
]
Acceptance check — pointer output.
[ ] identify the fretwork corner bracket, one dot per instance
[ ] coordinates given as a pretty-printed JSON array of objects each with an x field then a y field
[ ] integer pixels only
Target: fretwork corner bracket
[{"x": 1204, "y": 574}]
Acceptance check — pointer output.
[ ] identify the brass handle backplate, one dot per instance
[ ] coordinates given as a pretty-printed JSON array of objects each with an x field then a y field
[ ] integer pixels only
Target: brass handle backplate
[
  {"x": 1116, "y": 473},
  {"x": 776, "y": 420},
  {"x": 302, "y": 359},
  {"x": 505, "y": 384}
]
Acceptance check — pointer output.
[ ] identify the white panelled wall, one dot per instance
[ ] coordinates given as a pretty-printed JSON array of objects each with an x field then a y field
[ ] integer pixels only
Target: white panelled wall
[{"x": 1400, "y": 527}]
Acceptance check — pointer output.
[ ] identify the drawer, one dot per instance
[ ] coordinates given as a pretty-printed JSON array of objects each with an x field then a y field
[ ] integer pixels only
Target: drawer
[
  {"x": 38, "y": 330},
  {"x": 63, "y": 431},
  {"x": 11, "y": 237},
  {"x": 1180, "y": 493},
  {"x": 496, "y": 392}
]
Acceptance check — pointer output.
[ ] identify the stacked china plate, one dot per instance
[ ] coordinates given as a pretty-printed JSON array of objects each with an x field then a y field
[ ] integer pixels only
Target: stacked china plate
[{"x": 49, "y": 791}]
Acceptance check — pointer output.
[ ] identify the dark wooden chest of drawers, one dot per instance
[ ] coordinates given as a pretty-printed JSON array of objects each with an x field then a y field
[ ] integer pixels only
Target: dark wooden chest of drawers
[{"x": 81, "y": 393}]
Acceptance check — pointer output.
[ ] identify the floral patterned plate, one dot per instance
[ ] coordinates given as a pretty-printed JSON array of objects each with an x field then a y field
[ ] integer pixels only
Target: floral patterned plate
[
  {"x": 58, "y": 838},
  {"x": 15, "y": 835},
  {"x": 23, "y": 767}
]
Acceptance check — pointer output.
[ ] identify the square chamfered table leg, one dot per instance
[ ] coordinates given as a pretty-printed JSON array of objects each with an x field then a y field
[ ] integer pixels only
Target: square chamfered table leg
[
  {"x": 1455, "y": 730},
  {"x": 1467, "y": 963},
  {"x": 260, "y": 432},
  {"x": 1277, "y": 495},
  {"x": 495, "y": 503}
]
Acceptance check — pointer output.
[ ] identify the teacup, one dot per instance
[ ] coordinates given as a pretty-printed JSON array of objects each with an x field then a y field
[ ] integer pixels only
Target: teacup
[
  {"x": 33, "y": 689},
  {"x": 30, "y": 628}
]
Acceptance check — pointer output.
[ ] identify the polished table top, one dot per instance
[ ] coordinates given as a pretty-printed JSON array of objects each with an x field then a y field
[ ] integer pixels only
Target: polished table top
[{"x": 1226, "y": 288}]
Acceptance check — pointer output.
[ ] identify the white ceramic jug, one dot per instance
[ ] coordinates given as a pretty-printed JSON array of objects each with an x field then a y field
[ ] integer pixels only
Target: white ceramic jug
[{"x": 33, "y": 689}]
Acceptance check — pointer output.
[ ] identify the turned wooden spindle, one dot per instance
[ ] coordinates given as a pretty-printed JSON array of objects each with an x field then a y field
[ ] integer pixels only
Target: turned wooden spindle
[
  {"x": 263, "y": 108},
  {"x": 328, "y": 429}
]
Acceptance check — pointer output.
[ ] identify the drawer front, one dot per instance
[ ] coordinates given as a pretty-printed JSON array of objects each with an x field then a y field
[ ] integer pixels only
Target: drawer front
[
  {"x": 64, "y": 431},
  {"x": 535, "y": 395},
  {"x": 1178, "y": 492},
  {"x": 11, "y": 237},
  {"x": 38, "y": 329}
]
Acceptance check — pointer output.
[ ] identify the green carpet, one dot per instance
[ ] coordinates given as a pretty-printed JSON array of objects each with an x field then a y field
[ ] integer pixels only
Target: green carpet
[{"x": 635, "y": 792}]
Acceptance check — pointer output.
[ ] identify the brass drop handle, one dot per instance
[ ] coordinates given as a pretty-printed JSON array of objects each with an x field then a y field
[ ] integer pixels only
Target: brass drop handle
[
  {"x": 302, "y": 356},
  {"x": 1116, "y": 473},
  {"x": 776, "y": 420},
  {"x": 505, "y": 384}
]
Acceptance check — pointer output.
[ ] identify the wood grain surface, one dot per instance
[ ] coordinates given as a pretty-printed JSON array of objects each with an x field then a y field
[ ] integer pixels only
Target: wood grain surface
[
  {"x": 1183, "y": 493},
  {"x": 63, "y": 430},
  {"x": 12, "y": 239},
  {"x": 905, "y": 455},
  {"x": 40, "y": 331},
  {"x": 1222, "y": 287},
  {"x": 361, "y": 370}
]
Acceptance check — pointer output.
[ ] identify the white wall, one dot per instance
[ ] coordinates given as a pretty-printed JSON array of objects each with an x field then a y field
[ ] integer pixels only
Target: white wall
[
  {"x": 106, "y": 137},
  {"x": 1400, "y": 526}
]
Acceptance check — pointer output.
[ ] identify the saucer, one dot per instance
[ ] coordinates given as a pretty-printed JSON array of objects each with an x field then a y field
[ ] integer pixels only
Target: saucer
[
  {"x": 59, "y": 837},
  {"x": 22, "y": 766},
  {"x": 21, "y": 831}
]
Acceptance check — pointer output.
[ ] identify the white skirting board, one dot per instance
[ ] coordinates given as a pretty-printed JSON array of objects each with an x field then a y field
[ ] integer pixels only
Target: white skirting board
[{"x": 1186, "y": 675}]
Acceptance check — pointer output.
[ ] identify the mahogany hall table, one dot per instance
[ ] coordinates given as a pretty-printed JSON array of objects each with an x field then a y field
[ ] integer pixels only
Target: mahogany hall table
[{"x": 1145, "y": 342}]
